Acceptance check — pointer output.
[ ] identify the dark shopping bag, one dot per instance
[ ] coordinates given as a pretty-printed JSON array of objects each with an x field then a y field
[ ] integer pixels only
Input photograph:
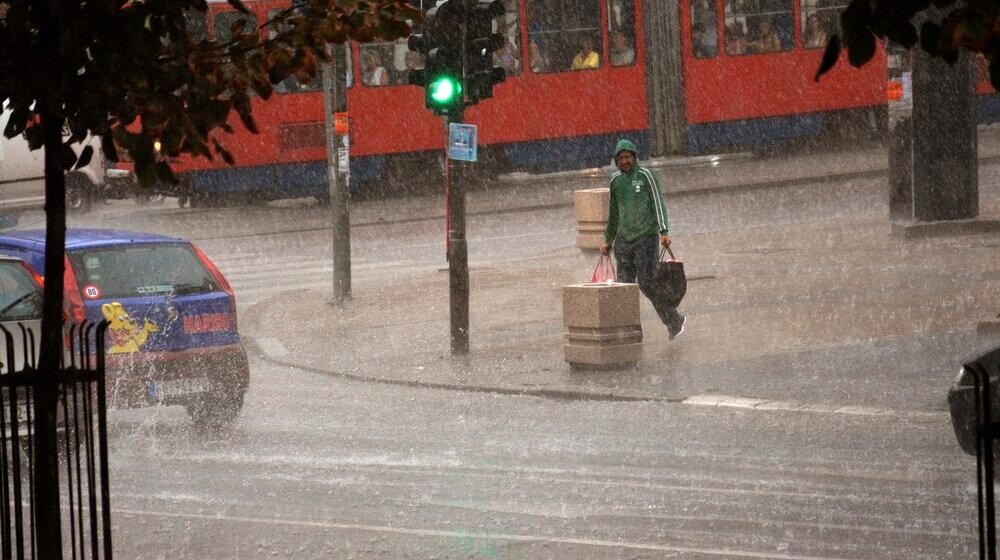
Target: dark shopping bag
[
  {"x": 604, "y": 271},
  {"x": 669, "y": 282}
]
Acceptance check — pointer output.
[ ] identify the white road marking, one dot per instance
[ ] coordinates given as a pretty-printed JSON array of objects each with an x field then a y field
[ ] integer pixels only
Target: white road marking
[
  {"x": 600, "y": 543},
  {"x": 729, "y": 401}
]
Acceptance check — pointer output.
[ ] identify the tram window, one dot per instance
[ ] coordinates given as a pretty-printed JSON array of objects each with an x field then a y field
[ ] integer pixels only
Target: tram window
[
  {"x": 621, "y": 32},
  {"x": 759, "y": 26},
  {"x": 509, "y": 57},
  {"x": 559, "y": 33},
  {"x": 224, "y": 22},
  {"x": 704, "y": 28},
  {"x": 820, "y": 21},
  {"x": 383, "y": 63},
  {"x": 291, "y": 84}
]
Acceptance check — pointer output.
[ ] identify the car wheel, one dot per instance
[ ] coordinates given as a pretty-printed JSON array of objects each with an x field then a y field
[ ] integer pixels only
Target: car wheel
[
  {"x": 215, "y": 412},
  {"x": 79, "y": 198}
]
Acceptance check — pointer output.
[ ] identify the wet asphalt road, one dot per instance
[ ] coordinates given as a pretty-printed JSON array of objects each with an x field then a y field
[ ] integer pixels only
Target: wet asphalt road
[{"x": 324, "y": 468}]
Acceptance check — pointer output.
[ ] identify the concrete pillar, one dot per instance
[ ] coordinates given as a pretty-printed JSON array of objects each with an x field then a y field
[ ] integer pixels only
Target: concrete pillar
[
  {"x": 945, "y": 160},
  {"x": 603, "y": 325},
  {"x": 591, "y": 209}
]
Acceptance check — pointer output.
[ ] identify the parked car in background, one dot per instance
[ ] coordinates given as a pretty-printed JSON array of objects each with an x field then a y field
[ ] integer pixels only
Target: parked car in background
[
  {"x": 20, "y": 337},
  {"x": 20, "y": 314},
  {"x": 964, "y": 399},
  {"x": 22, "y": 176},
  {"x": 172, "y": 337}
]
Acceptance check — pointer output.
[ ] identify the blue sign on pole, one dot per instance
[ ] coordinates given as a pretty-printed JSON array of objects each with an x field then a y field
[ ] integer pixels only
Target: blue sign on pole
[{"x": 462, "y": 142}]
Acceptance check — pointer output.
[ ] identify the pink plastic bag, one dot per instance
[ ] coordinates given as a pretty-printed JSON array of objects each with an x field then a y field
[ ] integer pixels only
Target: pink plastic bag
[{"x": 604, "y": 272}]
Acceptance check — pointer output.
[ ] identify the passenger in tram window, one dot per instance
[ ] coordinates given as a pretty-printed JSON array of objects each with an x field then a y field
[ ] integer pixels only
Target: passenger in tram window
[
  {"x": 736, "y": 40},
  {"x": 765, "y": 40},
  {"x": 701, "y": 45},
  {"x": 507, "y": 58},
  {"x": 373, "y": 73},
  {"x": 414, "y": 60},
  {"x": 536, "y": 59},
  {"x": 587, "y": 58},
  {"x": 815, "y": 37},
  {"x": 622, "y": 52},
  {"x": 411, "y": 61}
]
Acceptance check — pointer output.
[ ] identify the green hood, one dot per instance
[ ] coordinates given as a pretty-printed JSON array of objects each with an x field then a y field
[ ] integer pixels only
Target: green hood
[{"x": 625, "y": 145}]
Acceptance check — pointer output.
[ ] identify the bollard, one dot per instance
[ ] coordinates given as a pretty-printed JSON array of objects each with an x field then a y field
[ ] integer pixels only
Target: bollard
[
  {"x": 603, "y": 326},
  {"x": 591, "y": 209}
]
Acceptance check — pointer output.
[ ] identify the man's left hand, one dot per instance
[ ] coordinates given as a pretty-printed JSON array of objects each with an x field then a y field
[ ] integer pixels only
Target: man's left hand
[{"x": 665, "y": 240}]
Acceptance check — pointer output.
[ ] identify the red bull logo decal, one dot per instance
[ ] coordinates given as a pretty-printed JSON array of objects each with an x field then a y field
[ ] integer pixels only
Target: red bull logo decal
[{"x": 209, "y": 322}]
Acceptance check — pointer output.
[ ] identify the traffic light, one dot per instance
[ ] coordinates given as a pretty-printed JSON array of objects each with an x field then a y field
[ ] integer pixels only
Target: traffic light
[
  {"x": 443, "y": 86},
  {"x": 482, "y": 42},
  {"x": 441, "y": 46}
]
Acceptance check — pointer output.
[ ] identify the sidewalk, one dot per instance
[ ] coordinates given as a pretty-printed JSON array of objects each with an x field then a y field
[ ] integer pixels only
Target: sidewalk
[{"x": 754, "y": 296}]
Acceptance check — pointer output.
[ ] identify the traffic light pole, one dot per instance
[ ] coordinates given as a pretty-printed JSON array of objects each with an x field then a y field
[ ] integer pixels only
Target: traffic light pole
[
  {"x": 458, "y": 253},
  {"x": 458, "y": 43}
]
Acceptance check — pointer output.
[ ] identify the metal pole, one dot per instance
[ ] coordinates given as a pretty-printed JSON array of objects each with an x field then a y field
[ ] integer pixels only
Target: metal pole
[
  {"x": 339, "y": 197},
  {"x": 458, "y": 256}
]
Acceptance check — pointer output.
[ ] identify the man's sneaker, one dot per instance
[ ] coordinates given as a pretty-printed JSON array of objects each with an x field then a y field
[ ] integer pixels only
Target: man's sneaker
[{"x": 680, "y": 331}]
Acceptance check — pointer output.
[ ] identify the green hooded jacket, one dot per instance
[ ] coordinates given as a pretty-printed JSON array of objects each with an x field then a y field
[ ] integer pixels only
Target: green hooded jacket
[{"x": 637, "y": 208}]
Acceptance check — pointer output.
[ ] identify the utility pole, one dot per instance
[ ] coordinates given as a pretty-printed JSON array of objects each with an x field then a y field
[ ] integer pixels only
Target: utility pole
[{"x": 335, "y": 101}]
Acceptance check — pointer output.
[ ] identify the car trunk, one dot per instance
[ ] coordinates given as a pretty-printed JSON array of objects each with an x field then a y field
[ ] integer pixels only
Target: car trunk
[{"x": 157, "y": 297}]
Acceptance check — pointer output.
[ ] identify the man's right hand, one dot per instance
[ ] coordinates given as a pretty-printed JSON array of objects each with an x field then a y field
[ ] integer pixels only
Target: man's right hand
[{"x": 605, "y": 249}]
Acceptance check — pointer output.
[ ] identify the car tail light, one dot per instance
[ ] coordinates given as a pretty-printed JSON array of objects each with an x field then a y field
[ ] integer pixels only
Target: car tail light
[
  {"x": 220, "y": 279},
  {"x": 74, "y": 301},
  {"x": 73, "y": 308},
  {"x": 38, "y": 277}
]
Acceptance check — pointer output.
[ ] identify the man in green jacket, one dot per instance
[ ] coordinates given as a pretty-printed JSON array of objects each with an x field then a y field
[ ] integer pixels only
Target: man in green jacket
[{"x": 637, "y": 225}]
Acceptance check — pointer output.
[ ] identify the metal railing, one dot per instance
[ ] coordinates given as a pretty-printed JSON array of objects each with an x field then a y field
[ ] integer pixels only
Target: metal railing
[{"x": 82, "y": 448}]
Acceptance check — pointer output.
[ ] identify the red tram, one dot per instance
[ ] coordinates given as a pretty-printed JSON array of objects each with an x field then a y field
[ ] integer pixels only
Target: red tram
[{"x": 690, "y": 76}]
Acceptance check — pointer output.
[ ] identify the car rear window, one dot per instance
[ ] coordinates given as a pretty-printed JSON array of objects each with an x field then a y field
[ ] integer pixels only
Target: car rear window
[
  {"x": 141, "y": 270},
  {"x": 20, "y": 295}
]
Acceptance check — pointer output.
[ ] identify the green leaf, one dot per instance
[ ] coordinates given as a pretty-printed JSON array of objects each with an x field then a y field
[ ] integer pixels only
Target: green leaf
[
  {"x": 109, "y": 148},
  {"x": 222, "y": 151},
  {"x": 239, "y": 6},
  {"x": 830, "y": 56},
  {"x": 35, "y": 137},
  {"x": 861, "y": 49},
  {"x": 903, "y": 33},
  {"x": 67, "y": 157},
  {"x": 85, "y": 156}
]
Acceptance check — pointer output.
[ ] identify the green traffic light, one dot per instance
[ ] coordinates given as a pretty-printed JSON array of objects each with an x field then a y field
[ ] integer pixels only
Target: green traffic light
[{"x": 445, "y": 89}]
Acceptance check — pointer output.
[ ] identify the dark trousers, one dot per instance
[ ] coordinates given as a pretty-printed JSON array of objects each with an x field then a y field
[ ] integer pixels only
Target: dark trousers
[{"x": 637, "y": 261}]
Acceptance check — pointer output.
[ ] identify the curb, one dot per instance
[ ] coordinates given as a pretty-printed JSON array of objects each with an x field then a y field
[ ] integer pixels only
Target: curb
[{"x": 553, "y": 394}]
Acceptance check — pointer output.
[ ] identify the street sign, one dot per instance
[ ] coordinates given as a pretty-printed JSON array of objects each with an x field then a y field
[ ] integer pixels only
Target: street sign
[
  {"x": 462, "y": 142},
  {"x": 343, "y": 156},
  {"x": 340, "y": 124}
]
